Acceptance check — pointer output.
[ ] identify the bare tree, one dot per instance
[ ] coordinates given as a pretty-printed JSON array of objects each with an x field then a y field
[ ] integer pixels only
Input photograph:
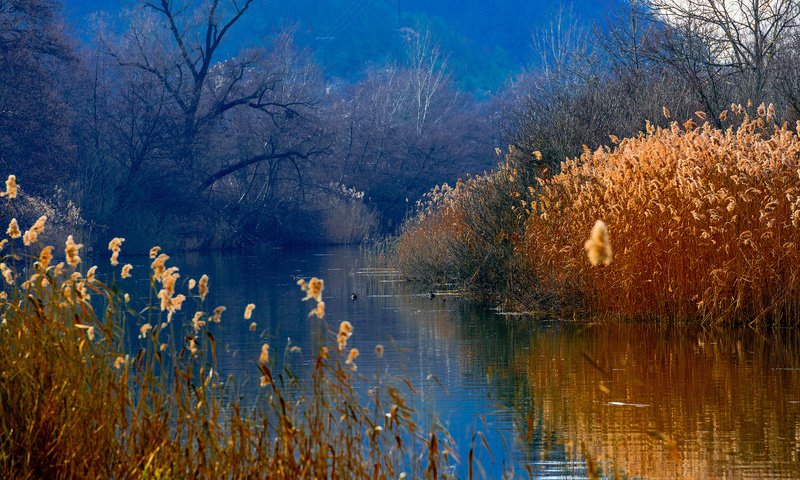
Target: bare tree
[
  {"x": 178, "y": 47},
  {"x": 428, "y": 69},
  {"x": 35, "y": 76},
  {"x": 731, "y": 37}
]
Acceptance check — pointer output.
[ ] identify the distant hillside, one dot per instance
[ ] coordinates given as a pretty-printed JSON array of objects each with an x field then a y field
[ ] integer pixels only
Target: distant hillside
[{"x": 488, "y": 40}]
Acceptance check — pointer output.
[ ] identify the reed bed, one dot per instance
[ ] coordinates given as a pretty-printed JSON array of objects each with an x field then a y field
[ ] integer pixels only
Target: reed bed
[
  {"x": 74, "y": 403},
  {"x": 468, "y": 235},
  {"x": 704, "y": 225}
]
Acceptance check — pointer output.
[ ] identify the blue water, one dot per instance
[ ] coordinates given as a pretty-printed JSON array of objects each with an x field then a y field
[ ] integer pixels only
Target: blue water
[{"x": 535, "y": 388}]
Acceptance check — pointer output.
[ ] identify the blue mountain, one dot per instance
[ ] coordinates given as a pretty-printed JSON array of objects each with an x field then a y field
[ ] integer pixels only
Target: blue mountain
[{"x": 487, "y": 40}]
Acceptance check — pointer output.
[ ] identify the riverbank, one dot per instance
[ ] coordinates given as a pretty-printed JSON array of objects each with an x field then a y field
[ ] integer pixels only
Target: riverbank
[
  {"x": 704, "y": 226},
  {"x": 80, "y": 399}
]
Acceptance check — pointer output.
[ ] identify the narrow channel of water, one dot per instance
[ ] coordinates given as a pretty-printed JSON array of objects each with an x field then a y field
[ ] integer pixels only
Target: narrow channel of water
[{"x": 649, "y": 401}]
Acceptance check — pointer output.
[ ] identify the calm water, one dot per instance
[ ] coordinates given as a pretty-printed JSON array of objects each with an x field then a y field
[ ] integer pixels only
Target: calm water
[{"x": 651, "y": 402}]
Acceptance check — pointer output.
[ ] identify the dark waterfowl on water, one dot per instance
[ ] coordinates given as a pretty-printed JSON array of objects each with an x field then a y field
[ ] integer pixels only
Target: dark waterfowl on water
[{"x": 354, "y": 297}]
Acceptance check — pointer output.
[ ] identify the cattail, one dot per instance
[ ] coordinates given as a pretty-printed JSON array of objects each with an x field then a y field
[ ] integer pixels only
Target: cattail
[
  {"x": 158, "y": 266},
  {"x": 37, "y": 229},
  {"x": 197, "y": 323},
  {"x": 13, "y": 229},
  {"x": 127, "y": 298},
  {"x": 379, "y": 350},
  {"x": 169, "y": 278},
  {"x": 144, "y": 329},
  {"x": 154, "y": 252},
  {"x": 46, "y": 256},
  {"x": 162, "y": 347},
  {"x": 313, "y": 289},
  {"x": 351, "y": 359},
  {"x": 665, "y": 111},
  {"x": 218, "y": 314},
  {"x": 193, "y": 346},
  {"x": 175, "y": 304},
  {"x": 58, "y": 269},
  {"x": 537, "y": 155},
  {"x": 91, "y": 274},
  {"x": 126, "y": 270},
  {"x": 319, "y": 311},
  {"x": 265, "y": 381},
  {"x": 762, "y": 110},
  {"x": 80, "y": 292},
  {"x": 202, "y": 287},
  {"x": 165, "y": 298},
  {"x": 345, "y": 331},
  {"x": 723, "y": 116},
  {"x": 71, "y": 250},
  {"x": 192, "y": 284},
  {"x": 263, "y": 359},
  {"x": 598, "y": 247},
  {"x": 11, "y": 188},
  {"x": 3, "y": 243},
  {"x": 114, "y": 245},
  {"x": 8, "y": 275},
  {"x": 295, "y": 349},
  {"x": 248, "y": 311},
  {"x": 253, "y": 327}
]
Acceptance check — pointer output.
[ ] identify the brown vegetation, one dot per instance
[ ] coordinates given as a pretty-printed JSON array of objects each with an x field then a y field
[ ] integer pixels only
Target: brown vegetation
[
  {"x": 704, "y": 224},
  {"x": 75, "y": 404}
]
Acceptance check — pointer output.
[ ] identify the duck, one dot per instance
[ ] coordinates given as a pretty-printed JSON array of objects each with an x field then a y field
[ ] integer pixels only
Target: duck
[
  {"x": 432, "y": 295},
  {"x": 354, "y": 297}
]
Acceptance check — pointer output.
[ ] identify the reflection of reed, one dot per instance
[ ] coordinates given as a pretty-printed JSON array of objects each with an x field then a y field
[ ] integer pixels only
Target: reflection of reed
[{"x": 718, "y": 404}]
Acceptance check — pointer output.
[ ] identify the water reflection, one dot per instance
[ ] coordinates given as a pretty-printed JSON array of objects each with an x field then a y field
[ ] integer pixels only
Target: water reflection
[{"x": 651, "y": 402}]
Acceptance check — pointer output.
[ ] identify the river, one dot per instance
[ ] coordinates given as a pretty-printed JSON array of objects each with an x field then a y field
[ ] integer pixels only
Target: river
[{"x": 641, "y": 401}]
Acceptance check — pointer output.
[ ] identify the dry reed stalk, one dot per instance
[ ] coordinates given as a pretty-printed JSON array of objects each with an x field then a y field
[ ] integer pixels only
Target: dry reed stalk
[
  {"x": 706, "y": 224},
  {"x": 75, "y": 404}
]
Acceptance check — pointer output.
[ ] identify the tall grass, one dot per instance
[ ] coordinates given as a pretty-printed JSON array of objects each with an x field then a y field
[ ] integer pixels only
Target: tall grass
[
  {"x": 704, "y": 224},
  {"x": 469, "y": 234},
  {"x": 75, "y": 404}
]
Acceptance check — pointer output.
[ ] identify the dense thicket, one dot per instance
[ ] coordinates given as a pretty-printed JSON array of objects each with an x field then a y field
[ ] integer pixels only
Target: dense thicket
[{"x": 517, "y": 233}]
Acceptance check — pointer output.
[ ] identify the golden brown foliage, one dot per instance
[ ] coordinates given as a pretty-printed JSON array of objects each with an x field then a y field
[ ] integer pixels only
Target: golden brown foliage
[
  {"x": 75, "y": 404},
  {"x": 706, "y": 224}
]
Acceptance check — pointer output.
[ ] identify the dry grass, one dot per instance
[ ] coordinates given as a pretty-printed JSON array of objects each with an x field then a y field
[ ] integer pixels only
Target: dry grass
[
  {"x": 704, "y": 223},
  {"x": 469, "y": 234},
  {"x": 75, "y": 404}
]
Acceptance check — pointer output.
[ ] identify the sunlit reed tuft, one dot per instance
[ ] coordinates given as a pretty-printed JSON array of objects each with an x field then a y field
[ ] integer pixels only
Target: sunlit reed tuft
[
  {"x": 598, "y": 247},
  {"x": 72, "y": 251},
  {"x": 13, "y": 229}
]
